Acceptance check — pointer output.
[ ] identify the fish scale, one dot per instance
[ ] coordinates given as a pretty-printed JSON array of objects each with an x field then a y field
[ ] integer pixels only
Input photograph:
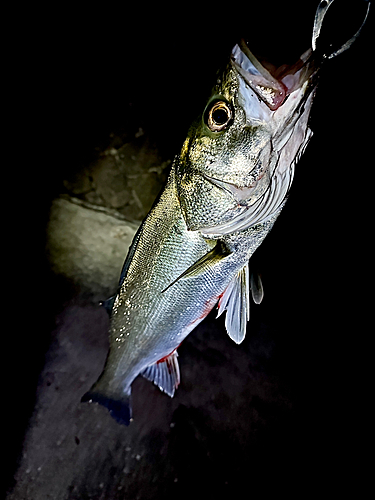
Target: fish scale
[{"x": 225, "y": 191}]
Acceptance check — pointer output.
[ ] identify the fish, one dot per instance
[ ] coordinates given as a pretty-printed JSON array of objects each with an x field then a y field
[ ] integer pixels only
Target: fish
[{"x": 225, "y": 190}]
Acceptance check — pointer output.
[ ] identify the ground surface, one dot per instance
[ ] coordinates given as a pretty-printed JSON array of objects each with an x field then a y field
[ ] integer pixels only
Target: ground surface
[{"x": 279, "y": 413}]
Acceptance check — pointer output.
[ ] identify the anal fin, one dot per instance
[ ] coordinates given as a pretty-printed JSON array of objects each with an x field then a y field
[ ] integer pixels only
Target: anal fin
[{"x": 165, "y": 373}]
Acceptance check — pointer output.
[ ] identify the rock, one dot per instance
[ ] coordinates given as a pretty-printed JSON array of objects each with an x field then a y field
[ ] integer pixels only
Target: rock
[
  {"x": 88, "y": 246},
  {"x": 111, "y": 182},
  {"x": 127, "y": 179},
  {"x": 79, "y": 183}
]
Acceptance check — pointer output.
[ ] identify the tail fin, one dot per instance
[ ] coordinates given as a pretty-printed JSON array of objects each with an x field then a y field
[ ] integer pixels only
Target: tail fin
[{"x": 119, "y": 407}]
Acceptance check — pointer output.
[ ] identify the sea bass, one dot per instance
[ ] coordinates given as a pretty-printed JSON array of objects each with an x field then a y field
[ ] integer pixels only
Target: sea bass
[{"x": 225, "y": 191}]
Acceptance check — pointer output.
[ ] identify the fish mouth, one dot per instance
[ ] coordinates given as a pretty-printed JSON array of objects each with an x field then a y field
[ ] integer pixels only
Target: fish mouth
[{"x": 272, "y": 84}]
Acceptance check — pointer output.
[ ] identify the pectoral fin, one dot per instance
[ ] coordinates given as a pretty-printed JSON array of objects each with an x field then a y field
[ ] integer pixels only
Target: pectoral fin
[
  {"x": 165, "y": 373},
  {"x": 214, "y": 256},
  {"x": 235, "y": 301}
]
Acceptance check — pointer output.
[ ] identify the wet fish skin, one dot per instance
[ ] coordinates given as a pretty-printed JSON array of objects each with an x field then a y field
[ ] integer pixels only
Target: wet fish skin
[
  {"x": 148, "y": 323},
  {"x": 225, "y": 190},
  {"x": 244, "y": 157},
  {"x": 150, "y": 318}
]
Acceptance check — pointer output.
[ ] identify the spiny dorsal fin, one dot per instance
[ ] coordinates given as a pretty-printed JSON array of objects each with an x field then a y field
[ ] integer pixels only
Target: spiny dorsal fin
[
  {"x": 165, "y": 373},
  {"x": 235, "y": 301}
]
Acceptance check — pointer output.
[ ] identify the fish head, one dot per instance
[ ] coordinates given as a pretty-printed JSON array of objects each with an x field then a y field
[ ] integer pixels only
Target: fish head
[
  {"x": 234, "y": 148},
  {"x": 237, "y": 162}
]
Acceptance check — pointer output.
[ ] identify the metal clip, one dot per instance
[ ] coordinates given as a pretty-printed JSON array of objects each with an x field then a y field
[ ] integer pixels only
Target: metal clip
[{"x": 318, "y": 21}]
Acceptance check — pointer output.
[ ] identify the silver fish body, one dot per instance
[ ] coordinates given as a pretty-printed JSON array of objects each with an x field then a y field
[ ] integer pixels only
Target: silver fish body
[
  {"x": 150, "y": 317},
  {"x": 225, "y": 190}
]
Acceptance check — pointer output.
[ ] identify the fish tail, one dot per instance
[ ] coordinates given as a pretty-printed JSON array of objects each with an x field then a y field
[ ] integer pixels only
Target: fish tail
[{"x": 119, "y": 406}]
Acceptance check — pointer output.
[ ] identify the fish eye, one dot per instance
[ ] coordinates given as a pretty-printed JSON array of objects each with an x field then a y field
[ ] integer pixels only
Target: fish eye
[{"x": 219, "y": 116}]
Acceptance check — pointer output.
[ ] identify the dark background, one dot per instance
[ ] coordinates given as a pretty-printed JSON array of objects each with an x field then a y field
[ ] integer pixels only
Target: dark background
[{"x": 83, "y": 73}]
